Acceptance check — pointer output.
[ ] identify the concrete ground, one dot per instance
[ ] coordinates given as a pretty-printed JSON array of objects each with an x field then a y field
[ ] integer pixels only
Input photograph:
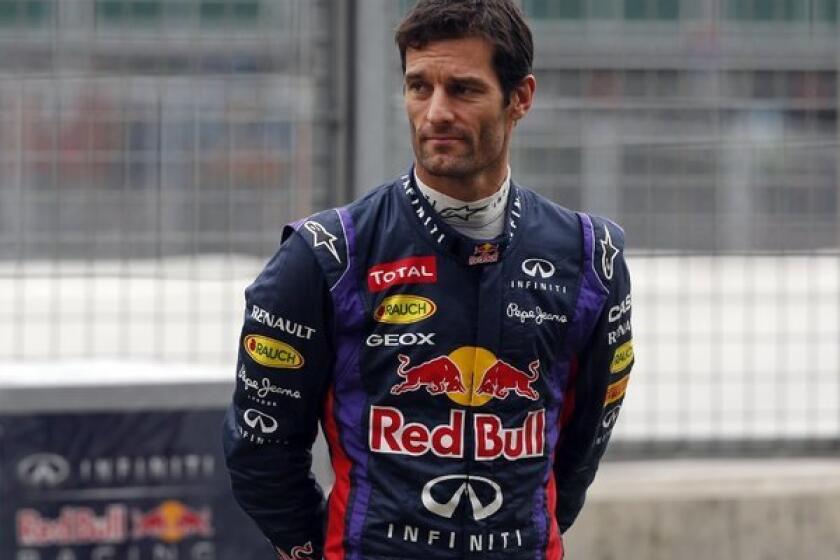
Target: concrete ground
[{"x": 711, "y": 510}]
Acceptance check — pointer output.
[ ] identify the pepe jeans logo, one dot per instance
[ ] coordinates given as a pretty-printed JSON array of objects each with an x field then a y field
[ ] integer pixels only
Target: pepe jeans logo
[
  {"x": 537, "y": 315},
  {"x": 538, "y": 268},
  {"x": 481, "y": 506}
]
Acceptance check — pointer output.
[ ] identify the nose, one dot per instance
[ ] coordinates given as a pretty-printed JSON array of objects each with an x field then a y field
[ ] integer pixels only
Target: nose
[{"x": 439, "y": 111}]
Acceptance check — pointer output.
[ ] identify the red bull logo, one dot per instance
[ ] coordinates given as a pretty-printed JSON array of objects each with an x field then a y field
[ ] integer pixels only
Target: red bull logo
[
  {"x": 172, "y": 521},
  {"x": 484, "y": 253},
  {"x": 391, "y": 433},
  {"x": 469, "y": 376},
  {"x": 502, "y": 378},
  {"x": 439, "y": 375}
]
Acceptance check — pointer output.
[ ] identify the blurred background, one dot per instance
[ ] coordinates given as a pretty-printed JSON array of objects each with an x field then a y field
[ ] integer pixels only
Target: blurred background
[{"x": 151, "y": 152}]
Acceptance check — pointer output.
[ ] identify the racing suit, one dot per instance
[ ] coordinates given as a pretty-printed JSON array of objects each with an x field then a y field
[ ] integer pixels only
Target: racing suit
[{"x": 467, "y": 390}]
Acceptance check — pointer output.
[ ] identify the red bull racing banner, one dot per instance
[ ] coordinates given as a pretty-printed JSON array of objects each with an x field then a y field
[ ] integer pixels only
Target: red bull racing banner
[{"x": 136, "y": 486}]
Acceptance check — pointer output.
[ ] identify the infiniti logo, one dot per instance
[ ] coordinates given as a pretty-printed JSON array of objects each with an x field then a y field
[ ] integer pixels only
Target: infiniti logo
[
  {"x": 538, "y": 267},
  {"x": 255, "y": 418},
  {"x": 43, "y": 470},
  {"x": 456, "y": 493},
  {"x": 609, "y": 419}
]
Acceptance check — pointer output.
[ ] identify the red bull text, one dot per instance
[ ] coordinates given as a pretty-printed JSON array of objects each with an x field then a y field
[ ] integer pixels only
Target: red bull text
[{"x": 390, "y": 433}]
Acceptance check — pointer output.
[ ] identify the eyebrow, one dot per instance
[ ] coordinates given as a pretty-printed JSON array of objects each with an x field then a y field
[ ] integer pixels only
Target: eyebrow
[{"x": 464, "y": 80}]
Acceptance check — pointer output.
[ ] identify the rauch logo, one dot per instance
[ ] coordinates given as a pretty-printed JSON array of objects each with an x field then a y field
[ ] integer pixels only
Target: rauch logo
[
  {"x": 404, "y": 309},
  {"x": 272, "y": 353},
  {"x": 622, "y": 358}
]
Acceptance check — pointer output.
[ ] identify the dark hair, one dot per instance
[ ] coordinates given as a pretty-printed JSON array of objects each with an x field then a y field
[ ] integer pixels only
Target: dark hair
[{"x": 499, "y": 21}]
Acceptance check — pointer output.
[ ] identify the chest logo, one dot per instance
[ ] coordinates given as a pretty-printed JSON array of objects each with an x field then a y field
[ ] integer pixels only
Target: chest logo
[
  {"x": 404, "y": 309},
  {"x": 413, "y": 270},
  {"x": 469, "y": 376},
  {"x": 484, "y": 495},
  {"x": 538, "y": 268}
]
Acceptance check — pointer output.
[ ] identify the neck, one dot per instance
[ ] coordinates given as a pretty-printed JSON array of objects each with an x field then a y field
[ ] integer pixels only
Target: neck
[{"x": 468, "y": 188}]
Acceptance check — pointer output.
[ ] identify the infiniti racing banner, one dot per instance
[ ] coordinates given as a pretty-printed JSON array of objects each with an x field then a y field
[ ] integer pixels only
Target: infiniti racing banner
[{"x": 135, "y": 486}]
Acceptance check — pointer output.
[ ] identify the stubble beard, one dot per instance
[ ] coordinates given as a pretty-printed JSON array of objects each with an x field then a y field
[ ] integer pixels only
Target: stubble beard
[{"x": 464, "y": 160}]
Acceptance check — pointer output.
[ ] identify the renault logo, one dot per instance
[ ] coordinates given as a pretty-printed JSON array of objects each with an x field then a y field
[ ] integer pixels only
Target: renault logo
[
  {"x": 455, "y": 491},
  {"x": 255, "y": 418},
  {"x": 538, "y": 267},
  {"x": 43, "y": 470}
]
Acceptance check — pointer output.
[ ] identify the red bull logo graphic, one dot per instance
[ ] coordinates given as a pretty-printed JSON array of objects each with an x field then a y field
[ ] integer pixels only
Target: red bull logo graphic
[
  {"x": 391, "y": 433},
  {"x": 172, "y": 521},
  {"x": 303, "y": 552},
  {"x": 502, "y": 378},
  {"x": 484, "y": 253},
  {"x": 469, "y": 376},
  {"x": 439, "y": 375}
]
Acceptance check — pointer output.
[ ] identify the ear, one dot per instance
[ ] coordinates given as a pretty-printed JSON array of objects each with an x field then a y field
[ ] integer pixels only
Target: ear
[{"x": 522, "y": 97}]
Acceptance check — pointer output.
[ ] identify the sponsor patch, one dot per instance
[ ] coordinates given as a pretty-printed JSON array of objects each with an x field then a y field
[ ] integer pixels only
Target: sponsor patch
[
  {"x": 469, "y": 376},
  {"x": 283, "y": 325},
  {"x": 412, "y": 270},
  {"x": 303, "y": 552},
  {"x": 620, "y": 330},
  {"x": 622, "y": 357},
  {"x": 272, "y": 353},
  {"x": 484, "y": 253},
  {"x": 538, "y": 268},
  {"x": 537, "y": 315},
  {"x": 616, "y": 390},
  {"x": 404, "y": 339},
  {"x": 616, "y": 312},
  {"x": 391, "y": 433},
  {"x": 404, "y": 309}
]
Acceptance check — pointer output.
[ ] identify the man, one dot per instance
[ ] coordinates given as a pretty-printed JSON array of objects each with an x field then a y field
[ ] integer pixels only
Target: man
[{"x": 464, "y": 343}]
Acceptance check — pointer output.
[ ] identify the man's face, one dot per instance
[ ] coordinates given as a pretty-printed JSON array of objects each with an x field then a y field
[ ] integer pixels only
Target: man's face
[{"x": 460, "y": 123}]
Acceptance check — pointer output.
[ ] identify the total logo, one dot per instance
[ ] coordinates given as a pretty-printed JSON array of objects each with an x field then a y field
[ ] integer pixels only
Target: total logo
[
  {"x": 272, "y": 353},
  {"x": 412, "y": 270},
  {"x": 404, "y": 309},
  {"x": 459, "y": 372}
]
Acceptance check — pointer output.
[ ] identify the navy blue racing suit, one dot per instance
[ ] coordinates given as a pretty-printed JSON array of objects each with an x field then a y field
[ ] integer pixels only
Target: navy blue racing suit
[{"x": 467, "y": 389}]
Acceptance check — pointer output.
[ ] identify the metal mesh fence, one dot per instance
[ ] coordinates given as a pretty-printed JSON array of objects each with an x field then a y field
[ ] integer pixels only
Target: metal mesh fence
[{"x": 151, "y": 151}]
